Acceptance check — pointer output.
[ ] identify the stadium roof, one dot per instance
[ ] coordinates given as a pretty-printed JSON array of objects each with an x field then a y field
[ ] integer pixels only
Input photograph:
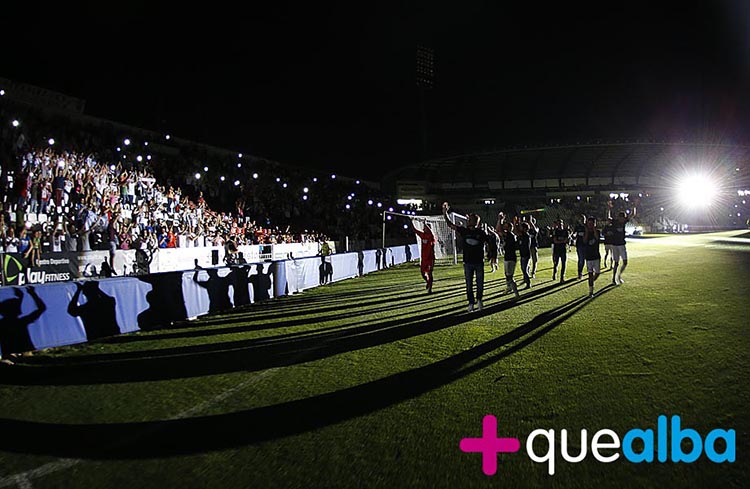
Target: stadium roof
[{"x": 641, "y": 164}]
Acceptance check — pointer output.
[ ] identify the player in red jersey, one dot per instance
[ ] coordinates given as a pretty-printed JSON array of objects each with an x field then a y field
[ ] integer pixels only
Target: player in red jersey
[{"x": 428, "y": 253}]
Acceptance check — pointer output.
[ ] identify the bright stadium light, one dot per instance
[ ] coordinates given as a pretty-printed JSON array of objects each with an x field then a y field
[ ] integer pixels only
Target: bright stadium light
[
  {"x": 304, "y": 197},
  {"x": 127, "y": 142},
  {"x": 333, "y": 177},
  {"x": 118, "y": 149},
  {"x": 696, "y": 191},
  {"x": 357, "y": 182},
  {"x": 236, "y": 183},
  {"x": 369, "y": 202},
  {"x": 315, "y": 179},
  {"x": 239, "y": 155},
  {"x": 15, "y": 123},
  {"x": 167, "y": 137},
  {"x": 222, "y": 178},
  {"x": 205, "y": 168},
  {"x": 278, "y": 179},
  {"x": 148, "y": 157},
  {"x": 255, "y": 176},
  {"x": 145, "y": 143},
  {"x": 2, "y": 93},
  {"x": 305, "y": 190},
  {"x": 239, "y": 165},
  {"x": 197, "y": 176},
  {"x": 348, "y": 206},
  {"x": 349, "y": 197},
  {"x": 51, "y": 141},
  {"x": 139, "y": 158}
]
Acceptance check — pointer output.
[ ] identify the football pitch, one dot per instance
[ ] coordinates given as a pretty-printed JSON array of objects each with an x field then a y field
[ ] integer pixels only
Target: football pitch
[{"x": 371, "y": 382}]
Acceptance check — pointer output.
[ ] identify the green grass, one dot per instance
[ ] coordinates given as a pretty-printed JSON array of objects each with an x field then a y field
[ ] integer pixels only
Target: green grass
[{"x": 372, "y": 383}]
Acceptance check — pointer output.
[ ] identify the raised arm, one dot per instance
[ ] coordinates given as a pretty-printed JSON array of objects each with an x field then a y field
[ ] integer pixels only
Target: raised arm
[{"x": 447, "y": 219}]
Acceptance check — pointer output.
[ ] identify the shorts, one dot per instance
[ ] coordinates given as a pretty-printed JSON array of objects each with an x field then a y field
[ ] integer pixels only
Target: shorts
[
  {"x": 619, "y": 252},
  {"x": 608, "y": 247},
  {"x": 593, "y": 266},
  {"x": 426, "y": 266},
  {"x": 510, "y": 267}
]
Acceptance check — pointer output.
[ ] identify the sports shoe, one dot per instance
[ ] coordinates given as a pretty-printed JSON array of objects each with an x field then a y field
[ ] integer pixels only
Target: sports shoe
[
  {"x": 591, "y": 292},
  {"x": 621, "y": 280},
  {"x": 517, "y": 294},
  {"x": 471, "y": 307},
  {"x": 480, "y": 305}
]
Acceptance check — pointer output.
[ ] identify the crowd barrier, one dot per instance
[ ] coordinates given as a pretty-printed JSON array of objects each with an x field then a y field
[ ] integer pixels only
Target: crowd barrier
[
  {"x": 34, "y": 317},
  {"x": 66, "y": 266}
]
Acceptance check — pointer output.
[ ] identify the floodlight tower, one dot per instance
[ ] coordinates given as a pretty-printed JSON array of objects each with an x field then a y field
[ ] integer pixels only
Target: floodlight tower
[{"x": 425, "y": 82}]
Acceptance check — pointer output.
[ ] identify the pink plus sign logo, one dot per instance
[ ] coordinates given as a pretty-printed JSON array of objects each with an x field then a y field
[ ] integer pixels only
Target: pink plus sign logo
[{"x": 490, "y": 445}]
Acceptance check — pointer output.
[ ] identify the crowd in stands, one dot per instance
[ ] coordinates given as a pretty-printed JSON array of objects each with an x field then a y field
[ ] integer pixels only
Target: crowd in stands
[{"x": 72, "y": 184}]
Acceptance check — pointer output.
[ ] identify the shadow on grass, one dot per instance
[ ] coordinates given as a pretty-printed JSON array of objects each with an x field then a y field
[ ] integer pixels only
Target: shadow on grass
[
  {"x": 212, "y": 327},
  {"x": 217, "y": 432},
  {"x": 250, "y": 354}
]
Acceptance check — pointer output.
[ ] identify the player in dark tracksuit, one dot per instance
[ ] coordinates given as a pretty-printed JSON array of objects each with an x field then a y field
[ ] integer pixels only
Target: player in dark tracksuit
[
  {"x": 510, "y": 257},
  {"x": 560, "y": 238},
  {"x": 473, "y": 240},
  {"x": 579, "y": 231},
  {"x": 591, "y": 239}
]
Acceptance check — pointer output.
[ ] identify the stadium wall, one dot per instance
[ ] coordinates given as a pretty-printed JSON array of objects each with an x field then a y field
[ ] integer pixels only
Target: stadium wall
[{"x": 58, "y": 314}]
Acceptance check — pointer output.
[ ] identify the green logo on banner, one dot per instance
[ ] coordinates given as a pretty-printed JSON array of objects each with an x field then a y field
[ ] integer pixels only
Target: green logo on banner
[{"x": 11, "y": 269}]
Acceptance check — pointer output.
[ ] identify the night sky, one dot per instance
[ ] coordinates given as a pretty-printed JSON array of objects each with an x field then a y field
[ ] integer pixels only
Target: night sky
[{"x": 333, "y": 87}]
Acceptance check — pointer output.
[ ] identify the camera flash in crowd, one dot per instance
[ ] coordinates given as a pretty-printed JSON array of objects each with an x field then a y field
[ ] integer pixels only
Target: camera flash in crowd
[
  {"x": 255, "y": 176},
  {"x": 51, "y": 141}
]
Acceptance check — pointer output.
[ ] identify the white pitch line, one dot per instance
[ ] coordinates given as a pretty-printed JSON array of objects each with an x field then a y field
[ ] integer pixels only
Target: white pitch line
[{"x": 23, "y": 479}]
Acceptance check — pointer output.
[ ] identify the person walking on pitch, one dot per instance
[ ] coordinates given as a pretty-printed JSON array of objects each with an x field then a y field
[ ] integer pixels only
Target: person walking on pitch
[{"x": 473, "y": 240}]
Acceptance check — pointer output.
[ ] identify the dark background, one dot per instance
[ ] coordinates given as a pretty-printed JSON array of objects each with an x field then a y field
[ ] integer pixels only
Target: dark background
[{"x": 332, "y": 86}]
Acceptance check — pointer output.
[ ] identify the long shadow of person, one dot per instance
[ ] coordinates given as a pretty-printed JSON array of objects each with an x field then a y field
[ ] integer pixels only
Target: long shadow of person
[
  {"x": 97, "y": 314},
  {"x": 217, "y": 288},
  {"x": 360, "y": 263},
  {"x": 238, "y": 277},
  {"x": 14, "y": 331},
  {"x": 165, "y": 300},
  {"x": 261, "y": 283}
]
